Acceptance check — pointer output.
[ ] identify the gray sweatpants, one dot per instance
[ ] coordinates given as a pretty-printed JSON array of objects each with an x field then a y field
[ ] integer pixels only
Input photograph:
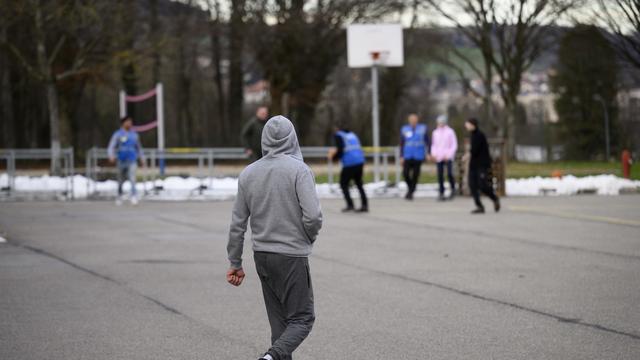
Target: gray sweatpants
[{"x": 288, "y": 296}]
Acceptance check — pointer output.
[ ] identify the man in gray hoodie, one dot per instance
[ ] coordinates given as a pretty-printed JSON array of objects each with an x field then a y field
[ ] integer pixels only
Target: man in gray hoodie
[{"x": 277, "y": 195}]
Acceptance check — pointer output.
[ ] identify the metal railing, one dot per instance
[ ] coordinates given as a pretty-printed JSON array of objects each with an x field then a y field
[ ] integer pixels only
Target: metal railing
[
  {"x": 10, "y": 156},
  {"x": 207, "y": 157},
  {"x": 204, "y": 157}
]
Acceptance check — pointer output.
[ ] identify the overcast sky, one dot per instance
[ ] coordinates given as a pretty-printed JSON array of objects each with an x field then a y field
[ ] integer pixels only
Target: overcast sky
[{"x": 431, "y": 18}]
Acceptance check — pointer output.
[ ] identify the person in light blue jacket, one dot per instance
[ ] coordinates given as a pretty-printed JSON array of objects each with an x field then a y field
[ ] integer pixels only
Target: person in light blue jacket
[
  {"x": 125, "y": 150},
  {"x": 414, "y": 144}
]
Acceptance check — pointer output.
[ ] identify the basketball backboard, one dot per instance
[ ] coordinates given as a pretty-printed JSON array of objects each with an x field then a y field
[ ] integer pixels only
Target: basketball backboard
[{"x": 379, "y": 44}]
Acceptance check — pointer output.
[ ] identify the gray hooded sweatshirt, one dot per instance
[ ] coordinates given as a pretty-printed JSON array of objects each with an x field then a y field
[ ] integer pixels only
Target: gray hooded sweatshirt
[{"x": 278, "y": 195}]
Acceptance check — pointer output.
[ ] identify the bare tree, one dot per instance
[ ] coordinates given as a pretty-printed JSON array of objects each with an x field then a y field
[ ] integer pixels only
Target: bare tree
[
  {"x": 215, "y": 35},
  {"x": 185, "y": 58},
  {"x": 479, "y": 32},
  {"x": 622, "y": 17},
  {"x": 56, "y": 25},
  {"x": 154, "y": 39},
  {"x": 298, "y": 44},
  {"x": 128, "y": 58},
  {"x": 511, "y": 36},
  {"x": 237, "y": 37},
  {"x": 6, "y": 99}
]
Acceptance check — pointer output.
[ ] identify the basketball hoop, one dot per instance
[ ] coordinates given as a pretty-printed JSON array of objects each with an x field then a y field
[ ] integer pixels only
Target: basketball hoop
[
  {"x": 379, "y": 57},
  {"x": 375, "y": 46}
]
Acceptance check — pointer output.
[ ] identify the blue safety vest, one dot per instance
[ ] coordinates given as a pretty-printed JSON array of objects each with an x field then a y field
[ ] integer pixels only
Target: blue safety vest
[
  {"x": 414, "y": 146},
  {"x": 352, "y": 153},
  {"x": 127, "y": 145}
]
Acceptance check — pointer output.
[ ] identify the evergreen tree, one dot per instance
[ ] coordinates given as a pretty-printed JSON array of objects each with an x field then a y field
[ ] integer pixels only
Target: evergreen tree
[{"x": 587, "y": 69}]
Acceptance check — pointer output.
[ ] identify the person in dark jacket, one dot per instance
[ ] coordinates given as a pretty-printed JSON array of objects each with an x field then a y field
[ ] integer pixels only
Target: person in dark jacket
[
  {"x": 252, "y": 133},
  {"x": 479, "y": 166},
  {"x": 349, "y": 151}
]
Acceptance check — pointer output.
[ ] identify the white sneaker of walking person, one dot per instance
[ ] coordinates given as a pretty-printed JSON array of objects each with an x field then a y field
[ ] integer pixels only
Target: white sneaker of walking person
[
  {"x": 134, "y": 200},
  {"x": 118, "y": 200}
]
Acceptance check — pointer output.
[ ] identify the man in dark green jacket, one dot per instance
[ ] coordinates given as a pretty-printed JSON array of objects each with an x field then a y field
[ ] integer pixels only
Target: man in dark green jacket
[{"x": 252, "y": 133}]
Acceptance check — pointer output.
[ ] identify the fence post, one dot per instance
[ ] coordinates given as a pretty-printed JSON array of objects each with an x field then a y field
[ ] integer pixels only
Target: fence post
[
  {"x": 397, "y": 165},
  {"x": 200, "y": 172},
  {"x": 94, "y": 169},
  {"x": 11, "y": 170},
  {"x": 210, "y": 165},
  {"x": 87, "y": 170},
  {"x": 145, "y": 174},
  {"x": 72, "y": 175},
  {"x": 330, "y": 173},
  {"x": 152, "y": 161},
  {"x": 385, "y": 175}
]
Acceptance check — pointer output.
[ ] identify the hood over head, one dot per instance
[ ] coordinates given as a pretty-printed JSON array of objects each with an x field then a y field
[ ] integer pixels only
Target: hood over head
[{"x": 279, "y": 137}]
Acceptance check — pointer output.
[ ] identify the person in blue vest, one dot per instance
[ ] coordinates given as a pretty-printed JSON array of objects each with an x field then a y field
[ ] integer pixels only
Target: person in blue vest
[
  {"x": 414, "y": 146},
  {"x": 349, "y": 151},
  {"x": 125, "y": 150}
]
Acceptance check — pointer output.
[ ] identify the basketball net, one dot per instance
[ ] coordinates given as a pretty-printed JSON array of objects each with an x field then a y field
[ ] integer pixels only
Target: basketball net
[{"x": 379, "y": 57}]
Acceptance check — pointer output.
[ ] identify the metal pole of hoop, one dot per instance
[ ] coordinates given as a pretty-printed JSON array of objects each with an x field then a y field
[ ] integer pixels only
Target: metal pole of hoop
[
  {"x": 160, "y": 115},
  {"x": 375, "y": 116}
]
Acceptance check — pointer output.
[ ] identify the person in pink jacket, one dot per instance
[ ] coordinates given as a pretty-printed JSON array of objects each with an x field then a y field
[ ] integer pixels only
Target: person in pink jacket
[{"x": 444, "y": 145}]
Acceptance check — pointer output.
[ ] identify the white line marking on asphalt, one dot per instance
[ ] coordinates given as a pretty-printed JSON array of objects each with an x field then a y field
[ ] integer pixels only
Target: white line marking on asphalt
[{"x": 572, "y": 215}]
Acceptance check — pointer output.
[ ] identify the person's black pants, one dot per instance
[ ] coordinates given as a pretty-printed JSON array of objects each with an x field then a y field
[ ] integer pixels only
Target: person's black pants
[
  {"x": 288, "y": 297},
  {"x": 353, "y": 173},
  {"x": 480, "y": 182},
  {"x": 411, "y": 173},
  {"x": 449, "y": 165}
]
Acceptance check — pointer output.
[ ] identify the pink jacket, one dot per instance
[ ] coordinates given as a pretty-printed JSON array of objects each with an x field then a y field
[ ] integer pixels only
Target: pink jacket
[{"x": 444, "y": 143}]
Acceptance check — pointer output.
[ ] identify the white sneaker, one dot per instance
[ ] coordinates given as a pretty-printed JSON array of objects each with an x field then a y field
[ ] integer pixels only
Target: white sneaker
[
  {"x": 134, "y": 200},
  {"x": 118, "y": 201}
]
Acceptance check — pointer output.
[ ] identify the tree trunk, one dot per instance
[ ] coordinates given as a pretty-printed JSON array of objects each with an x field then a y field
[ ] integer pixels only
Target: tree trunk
[
  {"x": 488, "y": 96},
  {"x": 128, "y": 71},
  {"x": 54, "y": 126},
  {"x": 183, "y": 82},
  {"x": 216, "y": 51},
  {"x": 6, "y": 97},
  {"x": 236, "y": 45},
  {"x": 392, "y": 88},
  {"x": 510, "y": 126},
  {"x": 50, "y": 85},
  {"x": 154, "y": 36},
  {"x": 276, "y": 94}
]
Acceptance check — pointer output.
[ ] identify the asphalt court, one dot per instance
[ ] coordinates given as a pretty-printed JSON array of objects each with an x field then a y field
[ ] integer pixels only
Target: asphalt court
[{"x": 546, "y": 278}]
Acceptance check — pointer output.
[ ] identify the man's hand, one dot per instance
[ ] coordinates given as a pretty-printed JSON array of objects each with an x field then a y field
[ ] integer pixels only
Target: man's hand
[
  {"x": 332, "y": 152},
  {"x": 141, "y": 163},
  {"x": 112, "y": 160},
  {"x": 248, "y": 152},
  {"x": 430, "y": 158},
  {"x": 402, "y": 161},
  {"x": 235, "y": 276}
]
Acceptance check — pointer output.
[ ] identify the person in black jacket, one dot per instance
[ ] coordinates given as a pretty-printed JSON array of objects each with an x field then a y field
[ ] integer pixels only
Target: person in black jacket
[
  {"x": 479, "y": 166},
  {"x": 251, "y": 135}
]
